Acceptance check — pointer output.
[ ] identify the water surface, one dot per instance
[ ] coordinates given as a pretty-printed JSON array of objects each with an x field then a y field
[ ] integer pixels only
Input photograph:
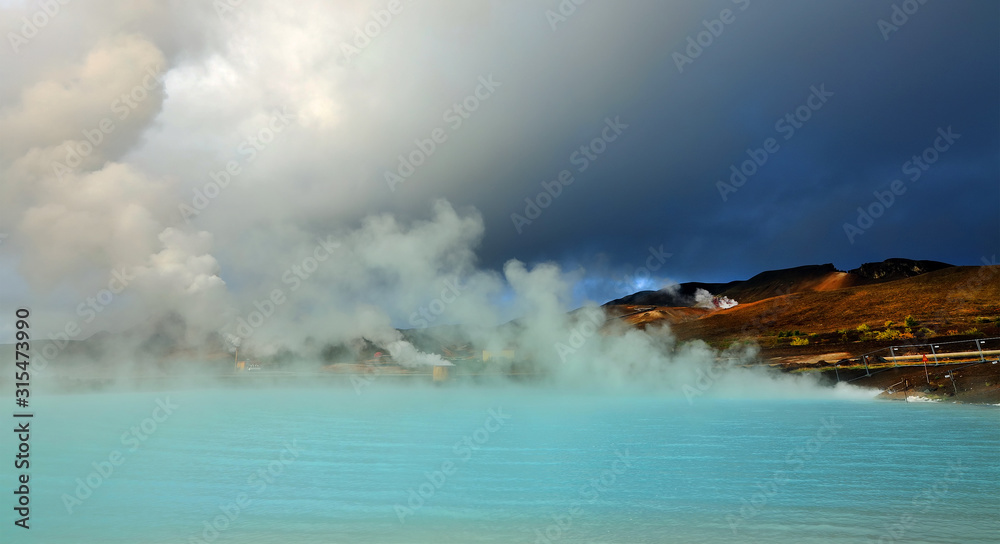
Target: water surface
[{"x": 413, "y": 465}]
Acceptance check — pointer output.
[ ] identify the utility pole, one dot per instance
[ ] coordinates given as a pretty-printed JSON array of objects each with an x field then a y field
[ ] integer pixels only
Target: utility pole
[{"x": 925, "y": 370}]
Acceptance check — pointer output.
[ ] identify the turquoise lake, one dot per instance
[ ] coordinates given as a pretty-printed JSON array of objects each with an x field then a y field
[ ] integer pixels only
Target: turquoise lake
[{"x": 500, "y": 465}]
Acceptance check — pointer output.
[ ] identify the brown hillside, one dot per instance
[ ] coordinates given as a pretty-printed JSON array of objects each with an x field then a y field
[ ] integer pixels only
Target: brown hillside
[
  {"x": 640, "y": 316},
  {"x": 757, "y": 290},
  {"x": 773, "y": 283},
  {"x": 943, "y": 300}
]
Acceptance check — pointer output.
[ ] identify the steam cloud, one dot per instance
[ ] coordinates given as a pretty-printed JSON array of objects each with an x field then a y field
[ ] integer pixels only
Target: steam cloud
[
  {"x": 704, "y": 299},
  {"x": 108, "y": 128}
]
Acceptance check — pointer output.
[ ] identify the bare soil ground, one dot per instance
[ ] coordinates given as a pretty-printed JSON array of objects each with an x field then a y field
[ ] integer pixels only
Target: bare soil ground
[
  {"x": 947, "y": 302},
  {"x": 957, "y": 303},
  {"x": 978, "y": 383}
]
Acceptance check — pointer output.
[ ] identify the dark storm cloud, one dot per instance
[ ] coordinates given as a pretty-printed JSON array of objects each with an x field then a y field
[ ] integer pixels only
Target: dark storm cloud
[
  {"x": 657, "y": 184},
  {"x": 494, "y": 100}
]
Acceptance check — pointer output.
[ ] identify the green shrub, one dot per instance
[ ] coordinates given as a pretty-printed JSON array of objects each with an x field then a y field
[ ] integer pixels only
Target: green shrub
[
  {"x": 800, "y": 342},
  {"x": 863, "y": 327},
  {"x": 910, "y": 322},
  {"x": 889, "y": 324},
  {"x": 887, "y": 334}
]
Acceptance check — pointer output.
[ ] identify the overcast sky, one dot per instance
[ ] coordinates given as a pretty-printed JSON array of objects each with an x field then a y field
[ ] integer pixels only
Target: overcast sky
[{"x": 648, "y": 107}]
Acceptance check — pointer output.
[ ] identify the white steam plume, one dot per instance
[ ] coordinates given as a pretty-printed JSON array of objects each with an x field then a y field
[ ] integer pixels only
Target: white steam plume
[{"x": 704, "y": 299}]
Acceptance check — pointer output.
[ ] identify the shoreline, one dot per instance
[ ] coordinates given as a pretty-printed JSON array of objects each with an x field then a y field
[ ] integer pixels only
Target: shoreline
[{"x": 977, "y": 384}]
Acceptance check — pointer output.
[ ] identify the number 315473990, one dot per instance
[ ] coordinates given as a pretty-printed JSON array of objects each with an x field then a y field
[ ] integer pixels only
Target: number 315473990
[{"x": 22, "y": 351}]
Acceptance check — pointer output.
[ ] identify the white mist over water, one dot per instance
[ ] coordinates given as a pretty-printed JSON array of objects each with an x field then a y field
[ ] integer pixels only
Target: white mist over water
[
  {"x": 385, "y": 268},
  {"x": 288, "y": 259}
]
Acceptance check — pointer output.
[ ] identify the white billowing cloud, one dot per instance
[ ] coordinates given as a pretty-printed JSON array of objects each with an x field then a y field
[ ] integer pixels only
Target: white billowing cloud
[
  {"x": 405, "y": 354},
  {"x": 80, "y": 212},
  {"x": 74, "y": 208},
  {"x": 309, "y": 217},
  {"x": 348, "y": 285},
  {"x": 704, "y": 299},
  {"x": 102, "y": 219},
  {"x": 75, "y": 98},
  {"x": 183, "y": 278},
  {"x": 114, "y": 206}
]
